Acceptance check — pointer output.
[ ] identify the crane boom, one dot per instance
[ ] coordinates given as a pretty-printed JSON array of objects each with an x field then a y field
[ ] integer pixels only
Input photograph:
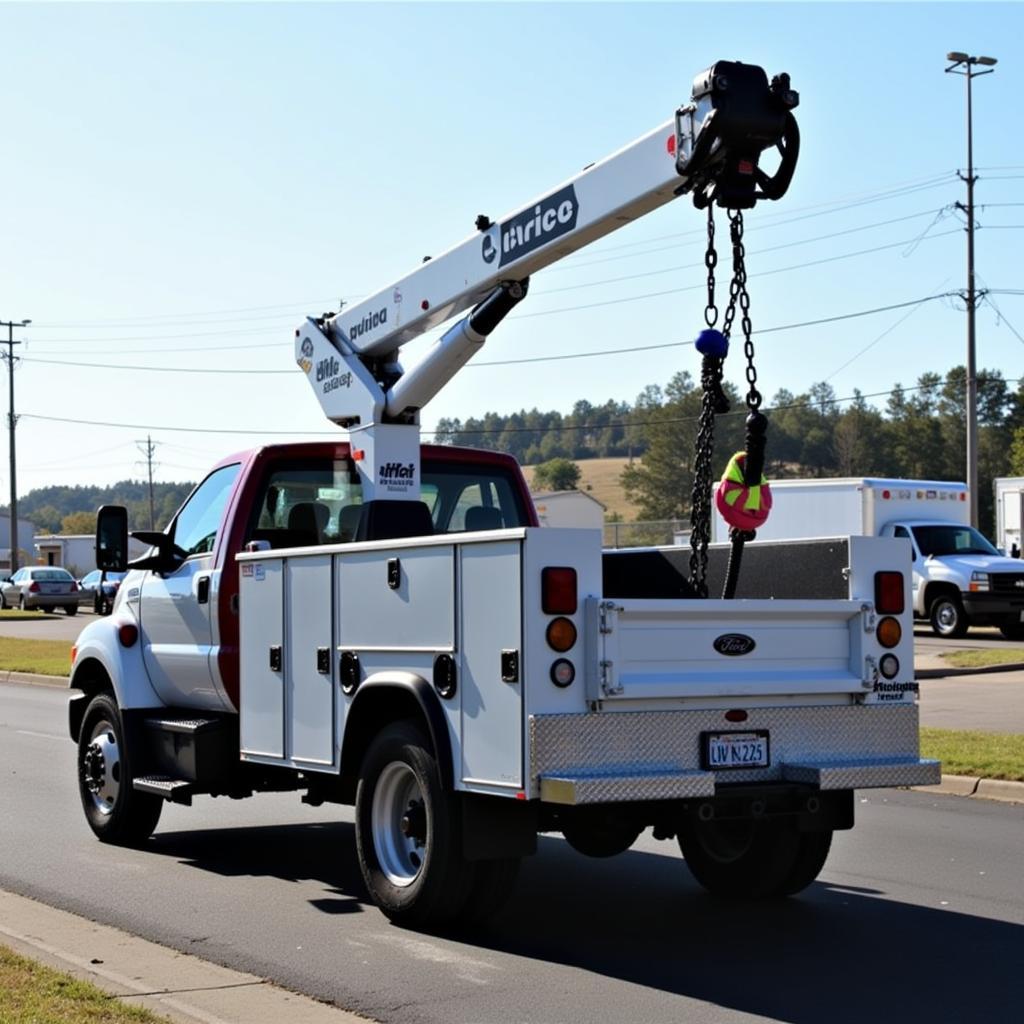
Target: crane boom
[{"x": 711, "y": 148}]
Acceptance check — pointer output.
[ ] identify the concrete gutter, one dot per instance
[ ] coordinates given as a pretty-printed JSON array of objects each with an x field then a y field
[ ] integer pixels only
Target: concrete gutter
[
  {"x": 933, "y": 671},
  {"x": 140, "y": 973}
]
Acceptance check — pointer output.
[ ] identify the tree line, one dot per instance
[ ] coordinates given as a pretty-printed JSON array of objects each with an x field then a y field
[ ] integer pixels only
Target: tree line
[
  {"x": 918, "y": 433},
  {"x": 62, "y": 509}
]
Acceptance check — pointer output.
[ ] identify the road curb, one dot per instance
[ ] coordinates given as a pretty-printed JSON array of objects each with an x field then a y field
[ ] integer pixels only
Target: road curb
[
  {"x": 180, "y": 986},
  {"x": 984, "y": 670},
  {"x": 34, "y": 679}
]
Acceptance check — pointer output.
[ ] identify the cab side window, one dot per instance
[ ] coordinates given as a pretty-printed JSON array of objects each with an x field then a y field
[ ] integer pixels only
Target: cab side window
[
  {"x": 902, "y": 531},
  {"x": 196, "y": 525}
]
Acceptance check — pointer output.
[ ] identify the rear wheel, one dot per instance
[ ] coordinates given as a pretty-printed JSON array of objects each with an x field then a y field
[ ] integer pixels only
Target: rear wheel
[
  {"x": 947, "y": 616},
  {"x": 753, "y": 859},
  {"x": 116, "y": 812},
  {"x": 71, "y": 609},
  {"x": 409, "y": 831}
]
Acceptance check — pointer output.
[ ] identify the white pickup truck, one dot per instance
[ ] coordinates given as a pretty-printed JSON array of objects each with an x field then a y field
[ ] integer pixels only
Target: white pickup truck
[{"x": 960, "y": 578}]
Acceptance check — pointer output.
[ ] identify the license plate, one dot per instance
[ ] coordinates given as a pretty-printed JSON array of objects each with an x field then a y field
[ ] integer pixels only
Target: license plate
[{"x": 723, "y": 750}]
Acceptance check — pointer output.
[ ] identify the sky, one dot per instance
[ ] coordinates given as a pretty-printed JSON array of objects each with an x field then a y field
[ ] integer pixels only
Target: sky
[{"x": 181, "y": 184}]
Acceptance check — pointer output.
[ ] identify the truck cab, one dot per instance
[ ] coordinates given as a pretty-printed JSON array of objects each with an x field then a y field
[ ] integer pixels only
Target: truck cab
[{"x": 960, "y": 578}]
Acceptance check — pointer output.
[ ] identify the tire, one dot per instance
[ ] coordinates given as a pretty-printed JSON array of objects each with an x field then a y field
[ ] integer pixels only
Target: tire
[
  {"x": 3, "y": 601},
  {"x": 947, "y": 616},
  {"x": 409, "y": 831},
  {"x": 49, "y": 611},
  {"x": 116, "y": 812},
  {"x": 750, "y": 859},
  {"x": 71, "y": 609},
  {"x": 1013, "y": 631},
  {"x": 106, "y": 606},
  {"x": 600, "y": 838}
]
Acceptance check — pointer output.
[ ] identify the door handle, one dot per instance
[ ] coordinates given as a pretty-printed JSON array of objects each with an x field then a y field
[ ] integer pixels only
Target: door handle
[{"x": 203, "y": 589}]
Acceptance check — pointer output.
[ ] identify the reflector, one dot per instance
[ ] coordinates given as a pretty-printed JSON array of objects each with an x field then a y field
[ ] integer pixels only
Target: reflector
[
  {"x": 889, "y": 632},
  {"x": 889, "y": 593},
  {"x": 558, "y": 590}
]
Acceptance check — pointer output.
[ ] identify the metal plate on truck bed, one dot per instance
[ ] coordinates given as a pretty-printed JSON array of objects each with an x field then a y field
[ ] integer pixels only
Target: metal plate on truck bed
[{"x": 724, "y": 750}]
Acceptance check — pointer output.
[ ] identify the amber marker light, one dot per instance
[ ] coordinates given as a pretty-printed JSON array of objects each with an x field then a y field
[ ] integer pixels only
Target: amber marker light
[
  {"x": 889, "y": 632},
  {"x": 561, "y": 634}
]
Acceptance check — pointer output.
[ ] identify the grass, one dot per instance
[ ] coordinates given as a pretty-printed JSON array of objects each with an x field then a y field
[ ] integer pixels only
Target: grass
[
  {"x": 33, "y": 994},
  {"x": 600, "y": 479},
  {"x": 16, "y": 615},
  {"x": 986, "y": 755},
  {"x": 980, "y": 658},
  {"x": 45, "y": 657}
]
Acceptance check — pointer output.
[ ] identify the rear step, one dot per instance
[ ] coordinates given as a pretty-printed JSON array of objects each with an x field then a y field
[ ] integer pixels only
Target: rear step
[{"x": 178, "y": 791}]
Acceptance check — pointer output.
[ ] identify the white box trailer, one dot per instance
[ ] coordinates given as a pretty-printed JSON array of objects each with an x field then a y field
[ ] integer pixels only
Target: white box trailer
[
  {"x": 1009, "y": 506},
  {"x": 854, "y": 506},
  {"x": 959, "y": 577}
]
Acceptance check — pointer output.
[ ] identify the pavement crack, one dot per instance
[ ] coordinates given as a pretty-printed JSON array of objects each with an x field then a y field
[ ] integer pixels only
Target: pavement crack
[{"x": 186, "y": 991}]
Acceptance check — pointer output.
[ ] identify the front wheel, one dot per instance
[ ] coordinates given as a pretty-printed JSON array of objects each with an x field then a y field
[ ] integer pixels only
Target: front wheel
[
  {"x": 753, "y": 859},
  {"x": 116, "y": 812},
  {"x": 409, "y": 831},
  {"x": 947, "y": 616}
]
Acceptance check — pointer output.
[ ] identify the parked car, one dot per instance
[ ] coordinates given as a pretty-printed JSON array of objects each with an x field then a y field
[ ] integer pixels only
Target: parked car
[
  {"x": 89, "y": 590},
  {"x": 40, "y": 586}
]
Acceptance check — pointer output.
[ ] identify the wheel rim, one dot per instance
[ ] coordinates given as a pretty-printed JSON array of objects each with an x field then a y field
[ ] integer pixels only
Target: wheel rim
[
  {"x": 398, "y": 821},
  {"x": 101, "y": 767},
  {"x": 945, "y": 616}
]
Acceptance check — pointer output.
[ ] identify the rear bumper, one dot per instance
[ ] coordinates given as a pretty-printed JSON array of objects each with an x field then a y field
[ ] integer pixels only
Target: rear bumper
[
  {"x": 610, "y": 757},
  {"x": 51, "y": 600}
]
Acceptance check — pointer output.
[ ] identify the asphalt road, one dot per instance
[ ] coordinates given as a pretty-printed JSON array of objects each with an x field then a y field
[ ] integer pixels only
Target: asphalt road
[{"x": 918, "y": 915}]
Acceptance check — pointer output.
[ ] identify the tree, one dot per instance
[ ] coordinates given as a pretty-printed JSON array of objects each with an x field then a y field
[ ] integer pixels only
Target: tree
[
  {"x": 557, "y": 474},
  {"x": 78, "y": 522}
]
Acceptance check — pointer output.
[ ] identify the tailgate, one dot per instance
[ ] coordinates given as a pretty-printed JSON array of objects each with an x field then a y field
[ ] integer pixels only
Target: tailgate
[{"x": 675, "y": 649}]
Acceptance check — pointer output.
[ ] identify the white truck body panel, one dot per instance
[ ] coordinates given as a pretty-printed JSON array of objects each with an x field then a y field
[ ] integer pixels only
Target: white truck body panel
[{"x": 475, "y": 596}]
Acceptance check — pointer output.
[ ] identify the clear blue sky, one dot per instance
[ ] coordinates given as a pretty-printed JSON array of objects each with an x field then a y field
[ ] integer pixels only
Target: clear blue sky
[{"x": 181, "y": 184}]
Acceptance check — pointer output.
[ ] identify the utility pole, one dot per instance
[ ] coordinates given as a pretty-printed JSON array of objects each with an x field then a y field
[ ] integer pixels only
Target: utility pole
[
  {"x": 147, "y": 448},
  {"x": 12, "y": 422},
  {"x": 962, "y": 64}
]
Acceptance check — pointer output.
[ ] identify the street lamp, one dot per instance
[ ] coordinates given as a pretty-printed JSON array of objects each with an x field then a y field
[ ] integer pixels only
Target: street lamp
[
  {"x": 962, "y": 64},
  {"x": 11, "y": 422}
]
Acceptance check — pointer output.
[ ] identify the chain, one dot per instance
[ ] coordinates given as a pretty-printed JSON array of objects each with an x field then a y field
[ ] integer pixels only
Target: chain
[
  {"x": 738, "y": 296},
  {"x": 711, "y": 261},
  {"x": 712, "y": 402}
]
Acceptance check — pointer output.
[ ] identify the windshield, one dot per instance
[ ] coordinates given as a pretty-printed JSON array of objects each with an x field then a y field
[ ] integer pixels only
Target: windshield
[{"x": 951, "y": 540}]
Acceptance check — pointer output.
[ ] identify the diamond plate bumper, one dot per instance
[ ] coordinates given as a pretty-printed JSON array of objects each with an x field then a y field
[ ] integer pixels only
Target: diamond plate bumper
[{"x": 610, "y": 756}]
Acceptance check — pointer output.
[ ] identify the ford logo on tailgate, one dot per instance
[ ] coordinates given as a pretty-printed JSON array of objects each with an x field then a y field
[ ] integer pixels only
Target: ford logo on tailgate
[{"x": 734, "y": 644}]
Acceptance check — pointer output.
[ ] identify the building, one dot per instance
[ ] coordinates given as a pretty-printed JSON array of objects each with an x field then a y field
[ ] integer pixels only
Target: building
[
  {"x": 26, "y": 529},
  {"x": 569, "y": 508},
  {"x": 76, "y": 552}
]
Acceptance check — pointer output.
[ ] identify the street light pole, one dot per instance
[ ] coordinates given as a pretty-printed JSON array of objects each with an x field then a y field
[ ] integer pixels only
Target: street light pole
[
  {"x": 12, "y": 421},
  {"x": 965, "y": 65}
]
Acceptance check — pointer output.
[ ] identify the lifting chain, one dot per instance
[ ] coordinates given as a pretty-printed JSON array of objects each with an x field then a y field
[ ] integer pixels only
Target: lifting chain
[{"x": 714, "y": 347}]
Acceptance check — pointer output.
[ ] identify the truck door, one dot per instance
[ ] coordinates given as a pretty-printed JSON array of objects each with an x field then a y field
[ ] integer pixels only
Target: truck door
[{"x": 175, "y": 608}]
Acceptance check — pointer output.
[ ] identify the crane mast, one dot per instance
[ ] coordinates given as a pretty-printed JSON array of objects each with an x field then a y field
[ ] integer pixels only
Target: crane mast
[{"x": 711, "y": 149}]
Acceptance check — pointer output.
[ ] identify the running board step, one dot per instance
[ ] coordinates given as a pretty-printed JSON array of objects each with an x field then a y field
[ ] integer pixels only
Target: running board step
[
  {"x": 869, "y": 773},
  {"x": 178, "y": 791},
  {"x": 602, "y": 789}
]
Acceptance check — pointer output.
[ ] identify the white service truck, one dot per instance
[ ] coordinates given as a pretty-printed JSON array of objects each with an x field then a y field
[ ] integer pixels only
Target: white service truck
[
  {"x": 1009, "y": 506},
  {"x": 960, "y": 578},
  {"x": 377, "y": 624}
]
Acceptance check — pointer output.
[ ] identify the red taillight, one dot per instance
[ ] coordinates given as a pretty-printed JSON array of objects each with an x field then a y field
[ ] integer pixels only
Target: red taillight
[
  {"x": 127, "y": 633},
  {"x": 889, "y": 593},
  {"x": 33, "y": 587},
  {"x": 558, "y": 591},
  {"x": 74, "y": 586}
]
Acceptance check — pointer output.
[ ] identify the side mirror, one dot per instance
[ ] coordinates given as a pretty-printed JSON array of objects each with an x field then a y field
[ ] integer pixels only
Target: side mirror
[
  {"x": 112, "y": 538},
  {"x": 168, "y": 555}
]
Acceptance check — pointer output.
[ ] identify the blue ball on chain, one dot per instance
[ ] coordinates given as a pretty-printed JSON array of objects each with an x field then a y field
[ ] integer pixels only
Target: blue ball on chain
[{"x": 712, "y": 343}]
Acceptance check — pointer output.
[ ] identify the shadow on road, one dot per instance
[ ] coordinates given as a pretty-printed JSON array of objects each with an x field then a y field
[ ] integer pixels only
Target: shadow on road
[{"x": 841, "y": 954}]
